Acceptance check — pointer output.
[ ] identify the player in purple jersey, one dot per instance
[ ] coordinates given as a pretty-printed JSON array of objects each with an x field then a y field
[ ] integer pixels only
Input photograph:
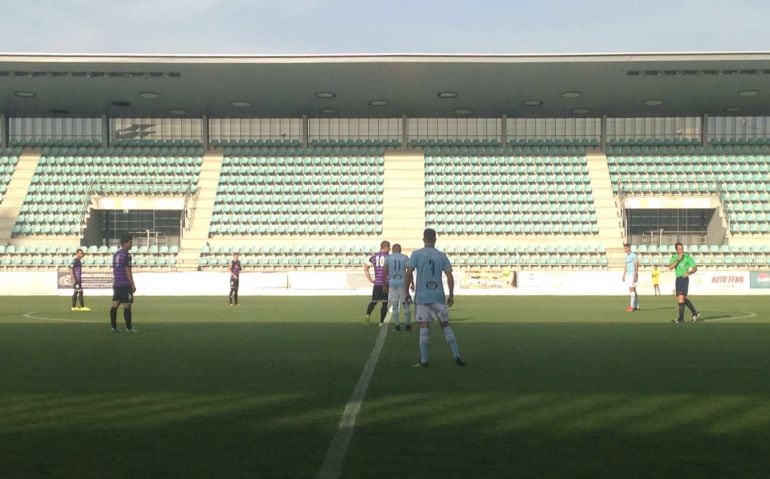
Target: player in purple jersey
[
  {"x": 379, "y": 294},
  {"x": 235, "y": 276},
  {"x": 76, "y": 271},
  {"x": 123, "y": 287}
]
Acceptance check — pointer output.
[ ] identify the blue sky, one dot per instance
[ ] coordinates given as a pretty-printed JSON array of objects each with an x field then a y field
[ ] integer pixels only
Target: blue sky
[{"x": 262, "y": 27}]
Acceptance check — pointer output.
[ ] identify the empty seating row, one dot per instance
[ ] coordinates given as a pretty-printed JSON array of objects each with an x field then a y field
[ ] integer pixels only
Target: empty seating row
[
  {"x": 19, "y": 261},
  {"x": 709, "y": 260},
  {"x": 157, "y": 142},
  {"x": 517, "y": 150},
  {"x": 497, "y": 227},
  {"x": 322, "y": 228},
  {"x": 125, "y": 151},
  {"x": 703, "y": 248},
  {"x": 235, "y": 162},
  {"x": 454, "y": 142},
  {"x": 350, "y": 206},
  {"x": 69, "y": 142},
  {"x": 254, "y": 142},
  {"x": 306, "y": 173},
  {"x": 679, "y": 150},
  {"x": 332, "y": 196},
  {"x": 355, "y": 141},
  {"x": 493, "y": 187},
  {"x": 93, "y": 249},
  {"x": 565, "y": 219},
  {"x": 282, "y": 151},
  {"x": 282, "y": 249},
  {"x": 691, "y": 141},
  {"x": 716, "y": 162},
  {"x": 319, "y": 185},
  {"x": 554, "y": 141}
]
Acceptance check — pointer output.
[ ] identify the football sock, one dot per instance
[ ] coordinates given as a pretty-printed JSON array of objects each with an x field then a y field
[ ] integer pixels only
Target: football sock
[
  {"x": 681, "y": 312},
  {"x": 74, "y": 298},
  {"x": 690, "y": 306},
  {"x": 636, "y": 299},
  {"x": 452, "y": 341},
  {"x": 114, "y": 317},
  {"x": 633, "y": 299},
  {"x": 395, "y": 312},
  {"x": 424, "y": 344},
  {"x": 127, "y": 317},
  {"x": 370, "y": 308},
  {"x": 230, "y": 297},
  {"x": 235, "y": 297},
  {"x": 383, "y": 311},
  {"x": 80, "y": 296},
  {"x": 407, "y": 313}
]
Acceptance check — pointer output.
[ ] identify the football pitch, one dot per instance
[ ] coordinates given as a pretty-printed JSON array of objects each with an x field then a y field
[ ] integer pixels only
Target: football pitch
[{"x": 554, "y": 387}]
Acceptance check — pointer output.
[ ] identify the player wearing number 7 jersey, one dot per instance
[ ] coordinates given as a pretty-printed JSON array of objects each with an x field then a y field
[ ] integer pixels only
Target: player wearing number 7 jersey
[{"x": 431, "y": 264}]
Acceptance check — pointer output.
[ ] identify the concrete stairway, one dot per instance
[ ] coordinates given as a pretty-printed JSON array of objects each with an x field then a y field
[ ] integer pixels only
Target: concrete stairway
[
  {"x": 17, "y": 191},
  {"x": 197, "y": 231},
  {"x": 403, "y": 218},
  {"x": 608, "y": 213}
]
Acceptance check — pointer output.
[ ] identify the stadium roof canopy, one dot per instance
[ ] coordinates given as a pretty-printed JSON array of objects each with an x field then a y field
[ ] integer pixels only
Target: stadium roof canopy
[{"x": 386, "y": 85}]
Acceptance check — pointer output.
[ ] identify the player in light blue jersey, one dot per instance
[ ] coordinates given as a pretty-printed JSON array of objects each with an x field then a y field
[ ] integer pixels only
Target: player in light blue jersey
[
  {"x": 431, "y": 264},
  {"x": 631, "y": 276},
  {"x": 395, "y": 271}
]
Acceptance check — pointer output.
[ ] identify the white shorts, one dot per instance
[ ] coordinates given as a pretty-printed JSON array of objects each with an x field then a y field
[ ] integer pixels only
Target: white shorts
[
  {"x": 630, "y": 283},
  {"x": 396, "y": 295},
  {"x": 424, "y": 313}
]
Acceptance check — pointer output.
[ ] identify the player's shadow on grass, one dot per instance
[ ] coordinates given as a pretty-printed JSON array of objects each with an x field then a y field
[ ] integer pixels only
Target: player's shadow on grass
[{"x": 660, "y": 308}]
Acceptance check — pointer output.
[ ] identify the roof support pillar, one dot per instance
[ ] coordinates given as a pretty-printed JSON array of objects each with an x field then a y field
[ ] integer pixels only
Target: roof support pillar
[
  {"x": 704, "y": 130},
  {"x": 504, "y": 131},
  {"x": 603, "y": 134},
  {"x": 3, "y": 130},
  {"x": 404, "y": 133},
  {"x": 205, "y": 132},
  {"x": 304, "y": 132},
  {"x": 105, "y": 131}
]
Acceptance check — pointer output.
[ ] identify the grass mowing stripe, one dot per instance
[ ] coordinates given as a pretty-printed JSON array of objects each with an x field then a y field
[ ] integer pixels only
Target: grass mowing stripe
[
  {"x": 335, "y": 456},
  {"x": 31, "y": 314}
]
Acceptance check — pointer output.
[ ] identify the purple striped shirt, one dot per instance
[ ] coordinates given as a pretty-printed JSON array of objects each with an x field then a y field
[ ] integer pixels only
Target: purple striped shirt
[
  {"x": 378, "y": 261},
  {"x": 77, "y": 269},
  {"x": 120, "y": 262}
]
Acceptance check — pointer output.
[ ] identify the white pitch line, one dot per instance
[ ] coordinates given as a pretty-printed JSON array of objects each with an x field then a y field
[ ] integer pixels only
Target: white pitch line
[
  {"x": 746, "y": 315},
  {"x": 62, "y": 320},
  {"x": 338, "y": 449}
]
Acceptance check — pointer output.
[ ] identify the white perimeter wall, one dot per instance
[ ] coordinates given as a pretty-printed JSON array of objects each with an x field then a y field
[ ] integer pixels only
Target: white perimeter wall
[{"x": 351, "y": 283}]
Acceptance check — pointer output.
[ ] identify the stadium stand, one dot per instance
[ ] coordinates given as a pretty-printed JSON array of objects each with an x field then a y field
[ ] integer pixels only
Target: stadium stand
[
  {"x": 528, "y": 205},
  {"x": 740, "y": 181},
  {"x": 300, "y": 194},
  {"x": 66, "y": 179},
  {"x": 506, "y": 194}
]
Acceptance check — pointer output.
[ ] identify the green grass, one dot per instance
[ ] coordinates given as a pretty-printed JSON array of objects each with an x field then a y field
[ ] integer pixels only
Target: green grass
[{"x": 555, "y": 387}]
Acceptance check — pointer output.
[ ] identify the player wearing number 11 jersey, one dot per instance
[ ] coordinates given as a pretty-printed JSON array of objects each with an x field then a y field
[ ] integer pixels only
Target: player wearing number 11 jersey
[
  {"x": 395, "y": 271},
  {"x": 431, "y": 264}
]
